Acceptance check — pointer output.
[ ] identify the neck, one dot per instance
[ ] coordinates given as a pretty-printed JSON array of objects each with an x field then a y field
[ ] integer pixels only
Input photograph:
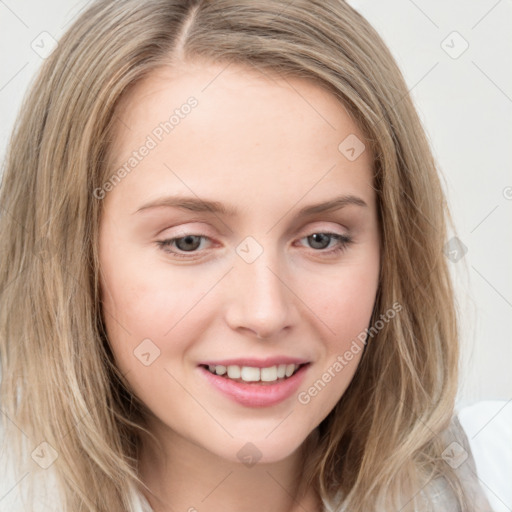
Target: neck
[{"x": 184, "y": 476}]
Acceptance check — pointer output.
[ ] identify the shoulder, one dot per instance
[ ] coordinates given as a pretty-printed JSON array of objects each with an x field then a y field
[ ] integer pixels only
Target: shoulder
[
  {"x": 458, "y": 455},
  {"x": 139, "y": 503},
  {"x": 438, "y": 495}
]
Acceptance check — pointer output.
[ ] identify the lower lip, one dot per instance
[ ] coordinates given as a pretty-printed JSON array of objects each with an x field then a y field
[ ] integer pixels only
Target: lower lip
[{"x": 256, "y": 394}]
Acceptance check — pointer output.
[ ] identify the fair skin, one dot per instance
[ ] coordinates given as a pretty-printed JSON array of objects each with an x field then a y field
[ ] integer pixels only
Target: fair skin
[{"x": 266, "y": 148}]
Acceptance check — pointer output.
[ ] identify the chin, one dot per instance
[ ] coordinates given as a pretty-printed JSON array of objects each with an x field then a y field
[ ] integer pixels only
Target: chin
[{"x": 258, "y": 449}]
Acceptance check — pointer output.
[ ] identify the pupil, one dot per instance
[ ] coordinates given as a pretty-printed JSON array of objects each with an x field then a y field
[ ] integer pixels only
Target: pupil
[
  {"x": 315, "y": 237},
  {"x": 189, "y": 239}
]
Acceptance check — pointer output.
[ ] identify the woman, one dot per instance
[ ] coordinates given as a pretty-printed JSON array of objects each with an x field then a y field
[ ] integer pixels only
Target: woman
[{"x": 262, "y": 368}]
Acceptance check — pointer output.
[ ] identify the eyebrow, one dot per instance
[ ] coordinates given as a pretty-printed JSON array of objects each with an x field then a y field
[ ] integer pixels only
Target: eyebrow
[{"x": 202, "y": 205}]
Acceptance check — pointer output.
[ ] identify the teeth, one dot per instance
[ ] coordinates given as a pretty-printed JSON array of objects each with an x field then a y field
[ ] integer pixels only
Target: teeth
[
  {"x": 234, "y": 372},
  {"x": 219, "y": 369},
  {"x": 269, "y": 374},
  {"x": 252, "y": 374},
  {"x": 290, "y": 368}
]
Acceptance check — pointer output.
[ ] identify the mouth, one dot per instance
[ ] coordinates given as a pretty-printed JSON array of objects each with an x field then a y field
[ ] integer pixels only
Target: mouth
[
  {"x": 257, "y": 375},
  {"x": 264, "y": 384}
]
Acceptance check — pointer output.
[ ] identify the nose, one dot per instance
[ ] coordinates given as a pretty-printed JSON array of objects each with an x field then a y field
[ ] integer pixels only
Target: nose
[{"x": 261, "y": 301}]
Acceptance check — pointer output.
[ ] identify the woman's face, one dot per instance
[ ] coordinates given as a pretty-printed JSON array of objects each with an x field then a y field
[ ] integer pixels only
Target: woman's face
[{"x": 218, "y": 254}]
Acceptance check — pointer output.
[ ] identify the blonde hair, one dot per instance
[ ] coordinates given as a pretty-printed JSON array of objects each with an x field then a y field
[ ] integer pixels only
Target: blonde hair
[{"x": 59, "y": 383}]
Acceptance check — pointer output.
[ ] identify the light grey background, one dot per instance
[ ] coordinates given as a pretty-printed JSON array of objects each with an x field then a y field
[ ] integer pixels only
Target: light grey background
[{"x": 465, "y": 104}]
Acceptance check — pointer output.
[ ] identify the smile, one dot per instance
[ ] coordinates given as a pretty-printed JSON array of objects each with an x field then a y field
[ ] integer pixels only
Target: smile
[
  {"x": 254, "y": 374},
  {"x": 255, "y": 386}
]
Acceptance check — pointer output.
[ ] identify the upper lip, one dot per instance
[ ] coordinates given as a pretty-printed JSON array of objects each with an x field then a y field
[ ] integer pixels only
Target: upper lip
[{"x": 257, "y": 363}]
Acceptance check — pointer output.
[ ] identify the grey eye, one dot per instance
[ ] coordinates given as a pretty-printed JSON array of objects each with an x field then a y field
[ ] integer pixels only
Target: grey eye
[
  {"x": 319, "y": 240},
  {"x": 188, "y": 243}
]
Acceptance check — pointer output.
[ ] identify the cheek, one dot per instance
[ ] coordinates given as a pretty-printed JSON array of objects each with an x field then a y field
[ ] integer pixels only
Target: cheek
[
  {"x": 343, "y": 309},
  {"x": 132, "y": 305},
  {"x": 344, "y": 302},
  {"x": 147, "y": 325},
  {"x": 142, "y": 304}
]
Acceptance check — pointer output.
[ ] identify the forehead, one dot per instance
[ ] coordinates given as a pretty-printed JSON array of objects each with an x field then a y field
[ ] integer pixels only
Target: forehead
[
  {"x": 249, "y": 127},
  {"x": 223, "y": 88}
]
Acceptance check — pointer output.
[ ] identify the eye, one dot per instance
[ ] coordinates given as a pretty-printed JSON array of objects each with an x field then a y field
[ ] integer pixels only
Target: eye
[
  {"x": 191, "y": 243},
  {"x": 321, "y": 240},
  {"x": 187, "y": 243}
]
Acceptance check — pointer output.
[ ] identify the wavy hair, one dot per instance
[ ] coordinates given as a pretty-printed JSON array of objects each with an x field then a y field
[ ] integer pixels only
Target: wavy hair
[{"x": 59, "y": 384}]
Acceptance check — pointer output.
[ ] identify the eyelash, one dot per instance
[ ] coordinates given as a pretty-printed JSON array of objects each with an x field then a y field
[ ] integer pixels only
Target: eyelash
[{"x": 343, "y": 242}]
